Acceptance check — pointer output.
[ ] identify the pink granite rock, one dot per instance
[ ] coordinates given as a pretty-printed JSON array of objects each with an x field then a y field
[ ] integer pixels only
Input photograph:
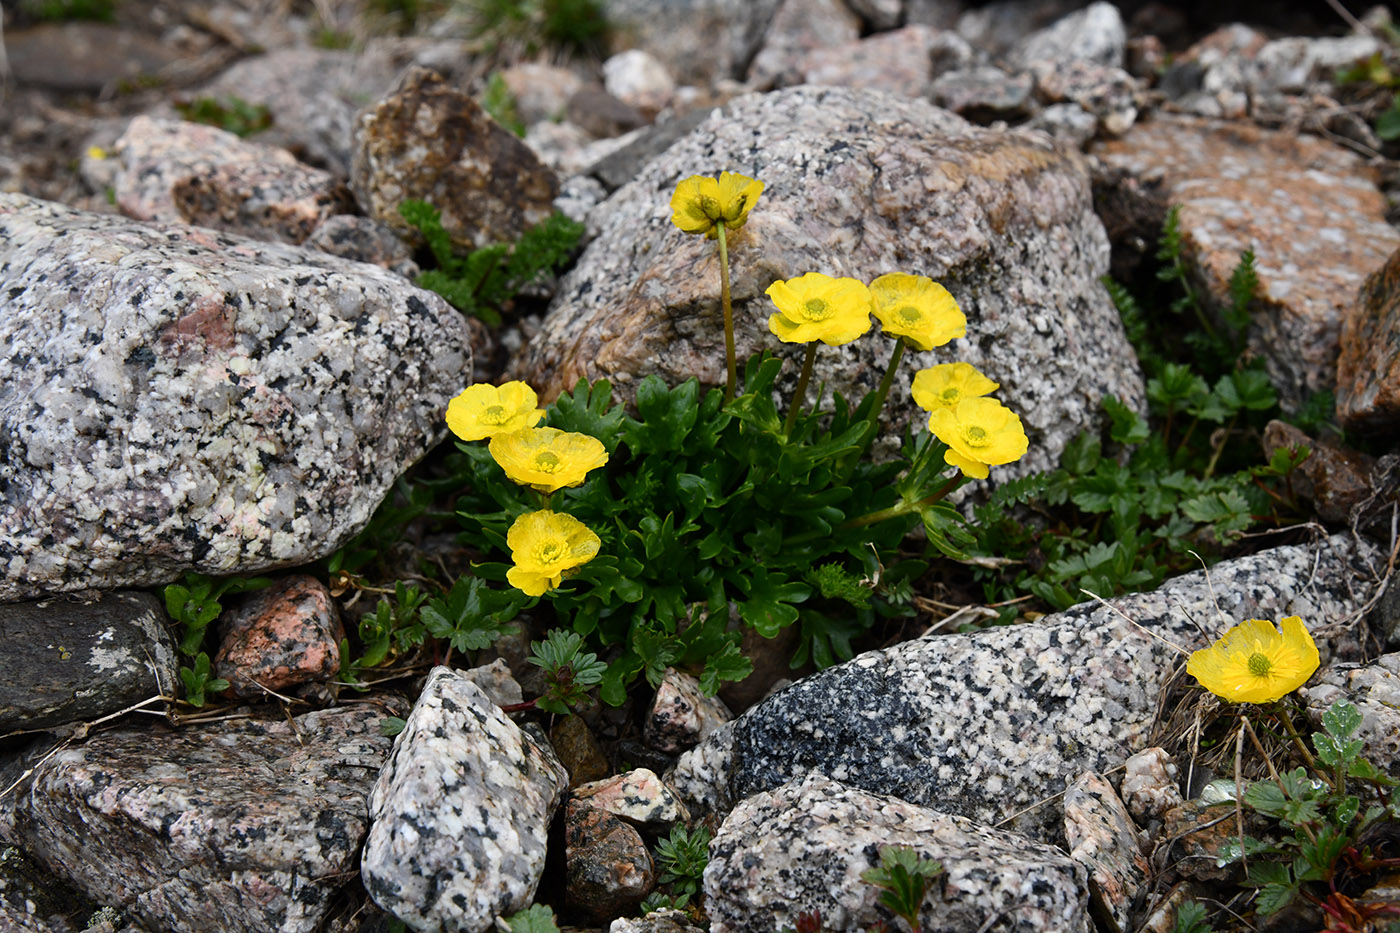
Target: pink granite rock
[
  {"x": 681, "y": 715},
  {"x": 639, "y": 797},
  {"x": 285, "y": 635},
  {"x": 1104, "y": 840}
]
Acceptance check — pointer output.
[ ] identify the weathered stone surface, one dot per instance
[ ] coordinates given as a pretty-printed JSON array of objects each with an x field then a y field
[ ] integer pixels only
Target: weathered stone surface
[
  {"x": 1368, "y": 366},
  {"x": 681, "y": 714},
  {"x": 984, "y": 93},
  {"x": 999, "y": 26},
  {"x": 700, "y": 41},
  {"x": 578, "y": 750},
  {"x": 657, "y": 921},
  {"x": 804, "y": 845},
  {"x": 429, "y": 141},
  {"x": 72, "y": 658},
  {"x": 1094, "y": 34},
  {"x": 859, "y": 183},
  {"x": 83, "y": 56},
  {"x": 177, "y": 399},
  {"x": 1211, "y": 77},
  {"x": 1374, "y": 689},
  {"x": 1335, "y": 479},
  {"x": 496, "y": 681},
  {"x": 1103, "y": 839},
  {"x": 460, "y": 813},
  {"x": 609, "y": 869},
  {"x": 640, "y": 80},
  {"x": 601, "y": 115},
  {"x": 1070, "y": 123},
  {"x": 32, "y": 900},
  {"x": 799, "y": 28},
  {"x": 540, "y": 91},
  {"x": 363, "y": 240},
  {"x": 1315, "y": 222},
  {"x": 987, "y": 723},
  {"x": 285, "y": 635},
  {"x": 1149, "y": 786},
  {"x": 173, "y": 171},
  {"x": 1109, "y": 93},
  {"x": 897, "y": 61},
  {"x": 638, "y": 796},
  {"x": 245, "y": 827},
  {"x": 1301, "y": 64}
]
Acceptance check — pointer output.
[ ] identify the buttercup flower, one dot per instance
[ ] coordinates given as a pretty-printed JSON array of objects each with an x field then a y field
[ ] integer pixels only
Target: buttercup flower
[
  {"x": 917, "y": 309},
  {"x": 547, "y": 458},
  {"x": 545, "y": 546},
  {"x": 701, "y": 202},
  {"x": 1255, "y": 662},
  {"x": 819, "y": 307},
  {"x": 946, "y": 384},
  {"x": 484, "y": 410},
  {"x": 979, "y": 432}
]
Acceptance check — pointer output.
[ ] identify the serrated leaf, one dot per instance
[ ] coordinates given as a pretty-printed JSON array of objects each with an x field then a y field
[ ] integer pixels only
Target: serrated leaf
[
  {"x": 728, "y": 665},
  {"x": 1081, "y": 454},
  {"x": 1126, "y": 426},
  {"x": 1341, "y": 719},
  {"x": 537, "y": 918}
]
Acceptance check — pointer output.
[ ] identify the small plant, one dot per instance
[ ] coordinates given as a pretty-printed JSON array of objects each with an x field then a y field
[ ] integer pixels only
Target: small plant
[
  {"x": 500, "y": 104},
  {"x": 193, "y": 605},
  {"x": 1191, "y": 918},
  {"x": 537, "y": 918},
  {"x": 682, "y": 857},
  {"x": 573, "y": 26},
  {"x": 484, "y": 282},
  {"x": 231, "y": 114},
  {"x": 99, "y": 10},
  {"x": 569, "y": 670},
  {"x": 903, "y": 877}
]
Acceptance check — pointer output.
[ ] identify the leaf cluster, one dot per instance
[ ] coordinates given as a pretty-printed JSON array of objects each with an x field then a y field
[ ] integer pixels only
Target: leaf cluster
[
  {"x": 1323, "y": 828},
  {"x": 498, "y": 101},
  {"x": 570, "y": 672},
  {"x": 484, "y": 282},
  {"x": 681, "y": 858},
  {"x": 704, "y": 507},
  {"x": 902, "y": 877},
  {"x": 231, "y": 114},
  {"x": 64, "y": 10},
  {"x": 571, "y": 26},
  {"x": 193, "y": 605}
]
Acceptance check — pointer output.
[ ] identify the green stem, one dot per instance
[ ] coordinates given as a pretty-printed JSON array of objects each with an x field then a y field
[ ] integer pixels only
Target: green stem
[
  {"x": 799, "y": 395},
  {"x": 1220, "y": 448},
  {"x": 1339, "y": 784},
  {"x": 905, "y": 507},
  {"x": 732, "y": 376},
  {"x": 881, "y": 394}
]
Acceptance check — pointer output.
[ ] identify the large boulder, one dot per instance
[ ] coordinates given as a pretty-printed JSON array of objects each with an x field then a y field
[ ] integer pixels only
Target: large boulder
[
  {"x": 859, "y": 183},
  {"x": 177, "y": 399}
]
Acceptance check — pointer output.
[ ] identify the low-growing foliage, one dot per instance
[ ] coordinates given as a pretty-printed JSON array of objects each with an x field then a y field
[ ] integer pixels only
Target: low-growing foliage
[
  {"x": 231, "y": 114},
  {"x": 903, "y": 877},
  {"x": 193, "y": 606},
  {"x": 497, "y": 100},
  {"x": 100, "y": 10},
  {"x": 569, "y": 26},
  {"x": 483, "y": 282},
  {"x": 681, "y": 859}
]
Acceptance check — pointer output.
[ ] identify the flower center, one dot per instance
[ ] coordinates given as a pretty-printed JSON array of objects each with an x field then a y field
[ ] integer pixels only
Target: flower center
[
  {"x": 976, "y": 436},
  {"x": 1259, "y": 665},
  {"x": 711, "y": 208},
  {"x": 494, "y": 414},
  {"x": 909, "y": 314},
  {"x": 816, "y": 309},
  {"x": 546, "y": 461},
  {"x": 950, "y": 394},
  {"x": 549, "y": 552}
]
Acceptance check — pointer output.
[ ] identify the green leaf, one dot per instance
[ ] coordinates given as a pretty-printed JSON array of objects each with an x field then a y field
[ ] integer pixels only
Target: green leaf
[
  {"x": 1081, "y": 454},
  {"x": 587, "y": 410},
  {"x": 1246, "y": 389},
  {"x": 537, "y": 918},
  {"x": 391, "y": 725},
  {"x": 1341, "y": 719},
  {"x": 729, "y": 665},
  {"x": 769, "y": 607},
  {"x": 1388, "y": 123},
  {"x": 1126, "y": 426}
]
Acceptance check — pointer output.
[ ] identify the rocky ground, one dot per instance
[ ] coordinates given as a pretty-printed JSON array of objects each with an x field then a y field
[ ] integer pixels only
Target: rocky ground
[{"x": 214, "y": 359}]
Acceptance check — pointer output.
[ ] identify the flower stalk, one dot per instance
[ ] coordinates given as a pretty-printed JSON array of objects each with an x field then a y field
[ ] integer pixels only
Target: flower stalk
[
  {"x": 799, "y": 394},
  {"x": 730, "y": 361}
]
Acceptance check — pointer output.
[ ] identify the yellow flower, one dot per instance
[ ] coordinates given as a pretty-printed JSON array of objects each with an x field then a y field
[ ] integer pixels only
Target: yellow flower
[
  {"x": 483, "y": 410},
  {"x": 917, "y": 309},
  {"x": 545, "y": 546},
  {"x": 979, "y": 432},
  {"x": 701, "y": 202},
  {"x": 1255, "y": 662},
  {"x": 818, "y": 307},
  {"x": 547, "y": 458},
  {"x": 946, "y": 384}
]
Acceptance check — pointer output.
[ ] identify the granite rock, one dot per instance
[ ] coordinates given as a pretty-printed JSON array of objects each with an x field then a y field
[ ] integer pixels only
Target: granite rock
[
  {"x": 681, "y": 715},
  {"x": 497, "y": 682},
  {"x": 984, "y": 93},
  {"x": 579, "y": 750},
  {"x": 1094, "y": 34},
  {"x": 1334, "y": 479},
  {"x": 243, "y": 826},
  {"x": 1368, "y": 365},
  {"x": 639, "y": 80},
  {"x": 280, "y": 637},
  {"x": 177, "y": 172},
  {"x": 70, "y": 658},
  {"x": 607, "y": 865},
  {"x": 898, "y": 61},
  {"x": 1070, "y": 124},
  {"x": 1300, "y": 65},
  {"x": 803, "y": 846},
  {"x": 987, "y": 723},
  {"x": 1109, "y": 93},
  {"x": 1103, "y": 839},
  {"x": 541, "y": 91},
  {"x": 1374, "y": 689},
  {"x": 85, "y": 57},
  {"x": 460, "y": 813},
  {"x": 879, "y": 15},
  {"x": 701, "y": 41},
  {"x": 859, "y": 183},
  {"x": 638, "y": 796},
  {"x": 1149, "y": 785},
  {"x": 364, "y": 240},
  {"x": 657, "y": 921},
  {"x": 799, "y": 28},
  {"x": 1313, "y": 247},
  {"x": 177, "y": 399},
  {"x": 999, "y": 26},
  {"x": 429, "y": 141}
]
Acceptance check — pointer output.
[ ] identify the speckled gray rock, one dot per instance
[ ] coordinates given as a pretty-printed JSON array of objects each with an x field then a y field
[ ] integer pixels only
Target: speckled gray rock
[
  {"x": 998, "y": 26},
  {"x": 1103, "y": 839},
  {"x": 988, "y": 723},
  {"x": 859, "y": 183},
  {"x": 799, "y": 28},
  {"x": 984, "y": 93},
  {"x": 242, "y": 827},
  {"x": 429, "y": 141},
  {"x": 1300, "y": 65},
  {"x": 1109, "y": 93},
  {"x": 1313, "y": 249},
  {"x": 638, "y": 796},
  {"x": 804, "y": 845},
  {"x": 460, "y": 813},
  {"x": 1374, "y": 689},
  {"x": 699, "y": 40},
  {"x": 172, "y": 171},
  {"x": 177, "y": 399},
  {"x": 658, "y": 921},
  {"x": 1094, "y": 34},
  {"x": 681, "y": 714},
  {"x": 70, "y": 658},
  {"x": 898, "y": 61},
  {"x": 1149, "y": 787},
  {"x": 364, "y": 240}
]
